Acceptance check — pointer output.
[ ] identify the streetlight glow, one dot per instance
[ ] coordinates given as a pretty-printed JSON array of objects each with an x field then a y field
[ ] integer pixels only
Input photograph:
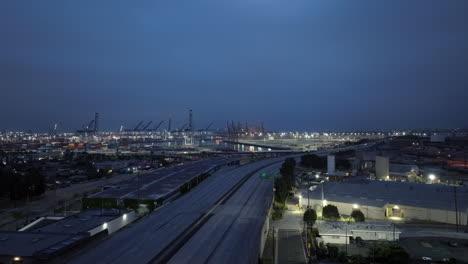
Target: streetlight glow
[{"x": 432, "y": 177}]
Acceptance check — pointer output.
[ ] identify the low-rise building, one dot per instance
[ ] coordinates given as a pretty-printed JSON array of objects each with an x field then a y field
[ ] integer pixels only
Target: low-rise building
[
  {"x": 344, "y": 232},
  {"x": 380, "y": 200},
  {"x": 49, "y": 237}
]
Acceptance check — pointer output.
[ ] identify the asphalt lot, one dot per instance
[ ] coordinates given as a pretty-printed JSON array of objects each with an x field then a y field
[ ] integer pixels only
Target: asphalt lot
[
  {"x": 288, "y": 234},
  {"x": 436, "y": 248},
  {"x": 290, "y": 247}
]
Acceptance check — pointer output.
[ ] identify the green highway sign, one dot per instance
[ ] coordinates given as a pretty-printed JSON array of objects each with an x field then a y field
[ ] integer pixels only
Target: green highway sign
[{"x": 265, "y": 175}]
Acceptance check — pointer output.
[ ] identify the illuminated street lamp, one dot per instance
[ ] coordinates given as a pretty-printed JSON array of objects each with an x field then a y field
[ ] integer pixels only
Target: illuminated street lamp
[{"x": 432, "y": 177}]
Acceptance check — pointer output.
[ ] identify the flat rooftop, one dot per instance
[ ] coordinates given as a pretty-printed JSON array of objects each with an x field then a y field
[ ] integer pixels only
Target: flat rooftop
[
  {"x": 380, "y": 193},
  {"x": 330, "y": 228},
  {"x": 160, "y": 182},
  {"x": 81, "y": 222},
  {"x": 28, "y": 244}
]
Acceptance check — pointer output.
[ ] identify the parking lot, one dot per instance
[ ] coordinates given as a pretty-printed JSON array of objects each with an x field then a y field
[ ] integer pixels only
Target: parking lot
[{"x": 436, "y": 248}]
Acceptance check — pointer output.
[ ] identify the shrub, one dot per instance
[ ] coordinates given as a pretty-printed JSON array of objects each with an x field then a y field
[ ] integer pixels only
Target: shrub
[
  {"x": 330, "y": 212},
  {"x": 358, "y": 216}
]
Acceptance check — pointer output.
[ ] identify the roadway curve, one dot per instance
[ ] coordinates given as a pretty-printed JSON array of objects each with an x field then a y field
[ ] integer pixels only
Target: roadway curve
[{"x": 143, "y": 241}]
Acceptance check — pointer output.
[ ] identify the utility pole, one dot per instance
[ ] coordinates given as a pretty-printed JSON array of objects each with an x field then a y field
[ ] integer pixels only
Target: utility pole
[
  {"x": 323, "y": 196},
  {"x": 456, "y": 206},
  {"x": 307, "y": 241},
  {"x": 346, "y": 237},
  {"x": 308, "y": 200}
]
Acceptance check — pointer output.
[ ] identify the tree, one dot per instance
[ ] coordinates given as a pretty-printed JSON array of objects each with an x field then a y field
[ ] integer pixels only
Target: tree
[
  {"x": 358, "y": 216},
  {"x": 414, "y": 177},
  {"x": 287, "y": 171},
  {"x": 358, "y": 259},
  {"x": 330, "y": 212},
  {"x": 68, "y": 155},
  {"x": 390, "y": 254},
  {"x": 313, "y": 161},
  {"x": 102, "y": 173},
  {"x": 281, "y": 190},
  {"x": 310, "y": 216},
  {"x": 17, "y": 215}
]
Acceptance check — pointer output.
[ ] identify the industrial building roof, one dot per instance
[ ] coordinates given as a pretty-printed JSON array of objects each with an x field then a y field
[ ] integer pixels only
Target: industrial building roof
[
  {"x": 81, "y": 222},
  {"x": 30, "y": 243},
  {"x": 53, "y": 237},
  {"x": 379, "y": 193},
  {"x": 160, "y": 182},
  {"x": 332, "y": 228}
]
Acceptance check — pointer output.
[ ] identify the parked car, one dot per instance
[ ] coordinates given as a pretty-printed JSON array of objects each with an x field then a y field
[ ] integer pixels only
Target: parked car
[{"x": 427, "y": 258}]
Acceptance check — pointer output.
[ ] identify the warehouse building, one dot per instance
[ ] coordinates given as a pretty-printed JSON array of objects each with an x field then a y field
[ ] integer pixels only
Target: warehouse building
[
  {"x": 381, "y": 200},
  {"x": 344, "y": 232},
  {"x": 48, "y": 238}
]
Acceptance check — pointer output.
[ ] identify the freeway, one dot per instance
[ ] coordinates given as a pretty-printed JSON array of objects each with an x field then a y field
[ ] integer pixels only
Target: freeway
[
  {"x": 159, "y": 237},
  {"x": 143, "y": 241},
  {"x": 233, "y": 233}
]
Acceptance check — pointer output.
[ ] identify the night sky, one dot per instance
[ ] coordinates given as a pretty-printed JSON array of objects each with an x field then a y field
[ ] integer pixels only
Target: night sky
[{"x": 293, "y": 64}]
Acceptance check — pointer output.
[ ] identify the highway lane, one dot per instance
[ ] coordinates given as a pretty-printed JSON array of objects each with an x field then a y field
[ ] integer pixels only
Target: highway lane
[
  {"x": 233, "y": 233},
  {"x": 140, "y": 242}
]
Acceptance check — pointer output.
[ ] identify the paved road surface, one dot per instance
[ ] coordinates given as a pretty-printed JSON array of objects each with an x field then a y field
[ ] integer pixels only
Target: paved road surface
[
  {"x": 233, "y": 233},
  {"x": 290, "y": 247},
  {"x": 288, "y": 235}
]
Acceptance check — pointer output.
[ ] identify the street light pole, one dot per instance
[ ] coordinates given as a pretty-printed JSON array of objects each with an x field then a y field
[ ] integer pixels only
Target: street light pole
[
  {"x": 346, "y": 237},
  {"x": 456, "y": 206}
]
